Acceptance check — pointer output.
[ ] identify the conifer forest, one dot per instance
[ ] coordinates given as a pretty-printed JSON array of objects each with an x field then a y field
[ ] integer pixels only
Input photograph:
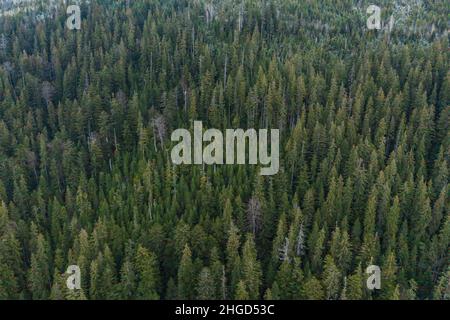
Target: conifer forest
[{"x": 87, "y": 179}]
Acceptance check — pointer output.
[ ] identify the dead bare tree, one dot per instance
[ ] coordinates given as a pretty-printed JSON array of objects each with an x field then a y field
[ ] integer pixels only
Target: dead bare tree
[
  {"x": 209, "y": 12},
  {"x": 122, "y": 98},
  {"x": 47, "y": 91},
  {"x": 300, "y": 246},
  {"x": 224, "y": 283},
  {"x": 240, "y": 17},
  {"x": 8, "y": 66},
  {"x": 284, "y": 250},
  {"x": 185, "y": 89},
  {"x": 159, "y": 129},
  {"x": 254, "y": 214},
  {"x": 32, "y": 162},
  {"x": 3, "y": 43}
]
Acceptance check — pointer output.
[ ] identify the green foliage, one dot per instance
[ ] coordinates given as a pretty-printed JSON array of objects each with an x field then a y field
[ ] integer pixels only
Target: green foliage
[{"x": 86, "y": 176}]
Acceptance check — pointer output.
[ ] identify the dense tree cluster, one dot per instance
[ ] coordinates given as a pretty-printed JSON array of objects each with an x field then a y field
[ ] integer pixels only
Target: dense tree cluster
[{"x": 86, "y": 176}]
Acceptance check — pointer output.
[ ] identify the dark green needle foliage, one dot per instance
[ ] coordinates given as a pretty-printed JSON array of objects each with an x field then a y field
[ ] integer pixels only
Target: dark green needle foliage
[{"x": 86, "y": 176}]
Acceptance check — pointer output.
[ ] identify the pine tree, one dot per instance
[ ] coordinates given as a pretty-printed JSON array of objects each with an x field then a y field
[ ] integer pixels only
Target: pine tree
[
  {"x": 233, "y": 263},
  {"x": 312, "y": 289},
  {"x": 355, "y": 285},
  {"x": 241, "y": 291},
  {"x": 39, "y": 273},
  {"x": 147, "y": 274},
  {"x": 331, "y": 279},
  {"x": 9, "y": 257},
  {"x": 186, "y": 276},
  {"x": 205, "y": 285},
  {"x": 251, "y": 269}
]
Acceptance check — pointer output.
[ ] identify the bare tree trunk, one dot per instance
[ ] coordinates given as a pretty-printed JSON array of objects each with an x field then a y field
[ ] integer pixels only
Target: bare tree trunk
[{"x": 225, "y": 74}]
